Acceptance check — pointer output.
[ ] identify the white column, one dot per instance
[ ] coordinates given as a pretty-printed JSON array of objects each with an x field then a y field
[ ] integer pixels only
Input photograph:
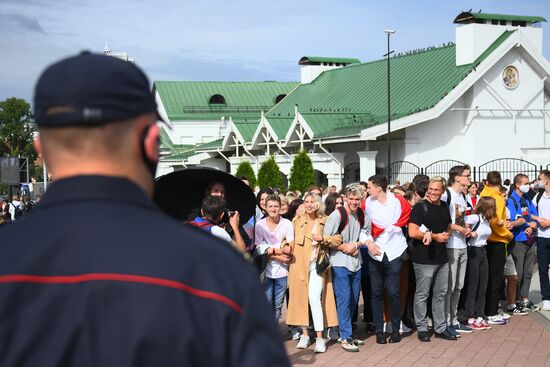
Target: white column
[
  {"x": 335, "y": 179},
  {"x": 367, "y": 164}
]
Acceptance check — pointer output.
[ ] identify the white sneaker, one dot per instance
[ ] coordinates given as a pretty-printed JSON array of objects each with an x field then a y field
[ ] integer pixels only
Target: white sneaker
[
  {"x": 495, "y": 320},
  {"x": 320, "y": 345},
  {"x": 545, "y": 305},
  {"x": 303, "y": 343},
  {"x": 505, "y": 316},
  {"x": 387, "y": 327},
  {"x": 296, "y": 336},
  {"x": 404, "y": 328}
]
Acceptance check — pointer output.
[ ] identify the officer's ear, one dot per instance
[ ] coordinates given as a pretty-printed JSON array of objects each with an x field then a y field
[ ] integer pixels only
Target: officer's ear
[
  {"x": 37, "y": 144},
  {"x": 150, "y": 142}
]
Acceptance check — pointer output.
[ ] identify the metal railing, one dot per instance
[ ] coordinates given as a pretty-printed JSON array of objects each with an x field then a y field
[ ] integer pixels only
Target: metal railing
[
  {"x": 508, "y": 168},
  {"x": 224, "y": 108}
]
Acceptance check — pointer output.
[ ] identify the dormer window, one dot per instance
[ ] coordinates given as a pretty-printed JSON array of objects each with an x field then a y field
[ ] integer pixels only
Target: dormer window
[
  {"x": 279, "y": 98},
  {"x": 217, "y": 99}
]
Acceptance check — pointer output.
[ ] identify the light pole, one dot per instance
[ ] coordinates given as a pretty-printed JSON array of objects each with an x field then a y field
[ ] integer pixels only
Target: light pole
[{"x": 389, "y": 32}]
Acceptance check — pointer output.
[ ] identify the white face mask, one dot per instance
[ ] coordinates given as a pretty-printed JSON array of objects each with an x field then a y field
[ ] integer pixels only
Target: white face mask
[{"x": 524, "y": 189}]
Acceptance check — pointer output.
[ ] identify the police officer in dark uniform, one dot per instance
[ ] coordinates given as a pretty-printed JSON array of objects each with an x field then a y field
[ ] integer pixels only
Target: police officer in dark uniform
[{"x": 98, "y": 276}]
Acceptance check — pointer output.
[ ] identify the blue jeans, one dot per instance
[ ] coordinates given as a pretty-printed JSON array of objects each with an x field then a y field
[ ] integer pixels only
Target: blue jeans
[
  {"x": 385, "y": 274},
  {"x": 543, "y": 257},
  {"x": 347, "y": 285},
  {"x": 275, "y": 292}
]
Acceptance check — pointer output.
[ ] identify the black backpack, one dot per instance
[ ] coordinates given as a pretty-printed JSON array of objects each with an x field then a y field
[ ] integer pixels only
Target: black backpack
[
  {"x": 17, "y": 211},
  {"x": 344, "y": 218}
]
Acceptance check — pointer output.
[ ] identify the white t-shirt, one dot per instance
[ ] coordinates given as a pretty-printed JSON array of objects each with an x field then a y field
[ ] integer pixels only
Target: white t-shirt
[
  {"x": 483, "y": 230},
  {"x": 543, "y": 207},
  {"x": 266, "y": 238},
  {"x": 220, "y": 233},
  {"x": 457, "y": 209}
]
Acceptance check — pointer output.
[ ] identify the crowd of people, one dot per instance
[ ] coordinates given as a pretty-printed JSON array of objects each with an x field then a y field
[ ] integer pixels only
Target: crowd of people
[
  {"x": 111, "y": 280},
  {"x": 445, "y": 253}
]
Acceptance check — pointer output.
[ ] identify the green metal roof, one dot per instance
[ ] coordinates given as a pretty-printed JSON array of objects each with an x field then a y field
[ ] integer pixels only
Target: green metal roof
[
  {"x": 179, "y": 156},
  {"x": 246, "y": 129},
  {"x": 244, "y": 100},
  {"x": 281, "y": 125},
  {"x": 340, "y": 60},
  {"x": 342, "y": 102},
  {"x": 210, "y": 145},
  {"x": 469, "y": 17},
  {"x": 166, "y": 143}
]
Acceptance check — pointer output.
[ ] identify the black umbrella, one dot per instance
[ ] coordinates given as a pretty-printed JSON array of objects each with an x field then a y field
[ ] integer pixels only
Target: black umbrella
[{"x": 178, "y": 193}]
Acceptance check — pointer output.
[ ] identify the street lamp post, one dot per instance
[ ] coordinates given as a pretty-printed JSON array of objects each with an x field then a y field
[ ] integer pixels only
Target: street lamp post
[{"x": 389, "y": 32}]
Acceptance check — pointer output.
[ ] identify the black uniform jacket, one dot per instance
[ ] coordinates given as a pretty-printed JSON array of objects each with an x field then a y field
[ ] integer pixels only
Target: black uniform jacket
[{"x": 98, "y": 276}]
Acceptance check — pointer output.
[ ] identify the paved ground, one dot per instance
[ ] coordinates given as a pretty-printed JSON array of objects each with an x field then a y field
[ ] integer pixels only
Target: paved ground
[{"x": 525, "y": 341}]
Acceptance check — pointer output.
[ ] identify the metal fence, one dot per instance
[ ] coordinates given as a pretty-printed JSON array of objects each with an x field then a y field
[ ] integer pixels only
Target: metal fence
[
  {"x": 405, "y": 171},
  {"x": 441, "y": 168},
  {"x": 508, "y": 168},
  {"x": 352, "y": 173}
]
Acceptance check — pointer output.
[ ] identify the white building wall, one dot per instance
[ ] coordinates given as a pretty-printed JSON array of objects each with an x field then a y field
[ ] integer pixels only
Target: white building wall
[
  {"x": 195, "y": 132},
  {"x": 477, "y": 137},
  {"x": 473, "y": 39},
  {"x": 309, "y": 72}
]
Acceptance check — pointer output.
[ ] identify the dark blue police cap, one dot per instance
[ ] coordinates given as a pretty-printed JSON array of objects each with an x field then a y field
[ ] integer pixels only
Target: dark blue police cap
[{"x": 91, "y": 89}]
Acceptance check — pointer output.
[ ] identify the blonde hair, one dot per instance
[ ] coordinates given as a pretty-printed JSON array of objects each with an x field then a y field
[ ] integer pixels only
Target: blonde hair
[
  {"x": 356, "y": 190},
  {"x": 320, "y": 211},
  {"x": 439, "y": 179},
  {"x": 284, "y": 199}
]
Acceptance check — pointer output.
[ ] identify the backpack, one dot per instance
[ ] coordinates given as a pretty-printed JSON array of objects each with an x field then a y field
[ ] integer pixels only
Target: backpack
[
  {"x": 475, "y": 227},
  {"x": 517, "y": 205},
  {"x": 17, "y": 211},
  {"x": 448, "y": 201},
  {"x": 201, "y": 223},
  {"x": 344, "y": 218},
  {"x": 537, "y": 198}
]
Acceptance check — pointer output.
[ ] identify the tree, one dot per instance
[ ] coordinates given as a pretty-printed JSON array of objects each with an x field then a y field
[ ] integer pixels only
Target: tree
[
  {"x": 301, "y": 173},
  {"x": 270, "y": 175},
  {"x": 17, "y": 131},
  {"x": 245, "y": 169}
]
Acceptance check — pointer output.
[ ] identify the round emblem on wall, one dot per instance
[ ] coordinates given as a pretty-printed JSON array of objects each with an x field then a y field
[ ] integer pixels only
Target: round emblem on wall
[{"x": 510, "y": 77}]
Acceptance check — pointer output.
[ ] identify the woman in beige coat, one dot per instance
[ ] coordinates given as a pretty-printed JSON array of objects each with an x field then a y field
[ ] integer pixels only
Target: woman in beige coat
[{"x": 306, "y": 287}]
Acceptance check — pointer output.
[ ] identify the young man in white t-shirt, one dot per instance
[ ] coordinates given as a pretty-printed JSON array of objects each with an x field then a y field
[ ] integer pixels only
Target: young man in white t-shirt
[
  {"x": 542, "y": 202},
  {"x": 457, "y": 253}
]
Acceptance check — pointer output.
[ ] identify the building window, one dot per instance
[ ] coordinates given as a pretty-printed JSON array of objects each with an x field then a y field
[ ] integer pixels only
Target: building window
[
  {"x": 516, "y": 23},
  {"x": 494, "y": 22},
  {"x": 279, "y": 98},
  {"x": 217, "y": 99},
  {"x": 502, "y": 22}
]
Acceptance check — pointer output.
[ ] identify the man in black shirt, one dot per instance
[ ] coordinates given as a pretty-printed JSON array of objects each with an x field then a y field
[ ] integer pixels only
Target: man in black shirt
[{"x": 429, "y": 228}]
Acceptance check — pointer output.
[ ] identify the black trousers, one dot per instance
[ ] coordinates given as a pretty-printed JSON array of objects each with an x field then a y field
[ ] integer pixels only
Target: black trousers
[
  {"x": 477, "y": 277},
  {"x": 385, "y": 274},
  {"x": 496, "y": 257}
]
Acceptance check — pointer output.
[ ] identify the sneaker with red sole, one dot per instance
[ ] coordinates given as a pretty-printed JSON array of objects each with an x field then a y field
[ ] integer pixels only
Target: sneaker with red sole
[
  {"x": 476, "y": 325},
  {"x": 485, "y": 324}
]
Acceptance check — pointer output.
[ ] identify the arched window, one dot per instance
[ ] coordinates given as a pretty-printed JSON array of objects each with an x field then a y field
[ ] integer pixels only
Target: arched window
[
  {"x": 217, "y": 99},
  {"x": 279, "y": 98}
]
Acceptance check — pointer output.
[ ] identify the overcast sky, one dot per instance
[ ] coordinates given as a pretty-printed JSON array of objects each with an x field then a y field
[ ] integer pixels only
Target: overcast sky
[{"x": 238, "y": 40}]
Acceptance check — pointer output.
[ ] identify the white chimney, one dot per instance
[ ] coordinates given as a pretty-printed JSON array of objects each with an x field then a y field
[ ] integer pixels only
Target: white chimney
[
  {"x": 313, "y": 66},
  {"x": 477, "y": 31}
]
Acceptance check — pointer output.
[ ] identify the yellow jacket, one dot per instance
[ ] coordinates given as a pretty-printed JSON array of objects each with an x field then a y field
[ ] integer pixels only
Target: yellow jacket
[{"x": 499, "y": 232}]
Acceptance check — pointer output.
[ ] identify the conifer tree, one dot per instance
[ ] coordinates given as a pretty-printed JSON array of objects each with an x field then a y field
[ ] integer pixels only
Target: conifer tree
[
  {"x": 301, "y": 173},
  {"x": 245, "y": 169},
  {"x": 270, "y": 175}
]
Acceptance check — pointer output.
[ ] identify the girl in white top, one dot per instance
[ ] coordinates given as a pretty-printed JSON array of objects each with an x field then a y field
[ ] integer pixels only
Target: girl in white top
[
  {"x": 478, "y": 266},
  {"x": 272, "y": 236}
]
